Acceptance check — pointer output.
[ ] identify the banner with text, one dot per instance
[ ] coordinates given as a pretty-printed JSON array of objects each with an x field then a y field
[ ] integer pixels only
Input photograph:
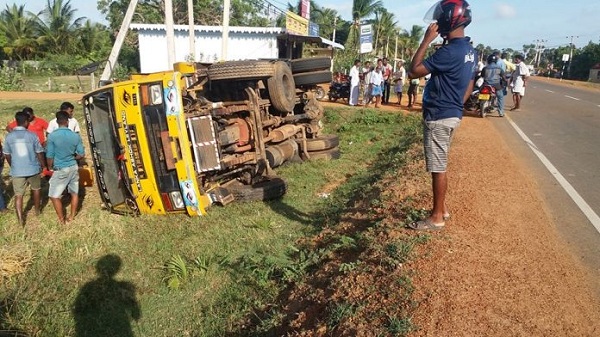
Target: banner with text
[
  {"x": 295, "y": 24},
  {"x": 366, "y": 39}
]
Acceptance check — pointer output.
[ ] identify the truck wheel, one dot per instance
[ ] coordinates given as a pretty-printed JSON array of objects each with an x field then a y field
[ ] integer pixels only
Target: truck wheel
[
  {"x": 240, "y": 70},
  {"x": 310, "y": 64},
  {"x": 281, "y": 87},
  {"x": 269, "y": 189},
  {"x": 321, "y": 143},
  {"x": 333, "y": 153},
  {"x": 313, "y": 77}
]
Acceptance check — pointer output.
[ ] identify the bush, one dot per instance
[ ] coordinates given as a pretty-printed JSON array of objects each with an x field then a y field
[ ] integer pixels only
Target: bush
[{"x": 10, "y": 80}]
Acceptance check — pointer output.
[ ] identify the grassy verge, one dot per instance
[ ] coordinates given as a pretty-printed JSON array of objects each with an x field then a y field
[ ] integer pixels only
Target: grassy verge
[{"x": 181, "y": 276}]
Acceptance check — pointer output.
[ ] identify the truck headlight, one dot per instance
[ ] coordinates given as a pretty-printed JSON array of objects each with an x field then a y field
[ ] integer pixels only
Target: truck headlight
[{"x": 177, "y": 200}]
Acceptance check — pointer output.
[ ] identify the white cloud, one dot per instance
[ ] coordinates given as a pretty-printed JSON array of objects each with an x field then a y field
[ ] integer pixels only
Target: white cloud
[{"x": 505, "y": 11}]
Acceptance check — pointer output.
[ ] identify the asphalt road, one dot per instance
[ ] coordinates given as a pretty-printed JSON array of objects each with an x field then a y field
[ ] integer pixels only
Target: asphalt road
[{"x": 562, "y": 122}]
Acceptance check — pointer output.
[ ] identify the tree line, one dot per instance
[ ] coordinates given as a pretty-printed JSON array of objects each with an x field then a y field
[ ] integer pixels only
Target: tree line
[{"x": 59, "y": 36}]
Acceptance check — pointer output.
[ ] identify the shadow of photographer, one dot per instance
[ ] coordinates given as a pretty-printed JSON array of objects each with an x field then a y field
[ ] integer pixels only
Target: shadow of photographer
[{"x": 105, "y": 307}]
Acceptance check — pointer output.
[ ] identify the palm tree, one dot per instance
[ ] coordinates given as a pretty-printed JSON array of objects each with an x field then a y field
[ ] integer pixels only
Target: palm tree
[
  {"x": 15, "y": 24},
  {"x": 410, "y": 41},
  {"x": 385, "y": 28},
  {"x": 361, "y": 9},
  {"x": 328, "y": 20},
  {"x": 57, "y": 26}
]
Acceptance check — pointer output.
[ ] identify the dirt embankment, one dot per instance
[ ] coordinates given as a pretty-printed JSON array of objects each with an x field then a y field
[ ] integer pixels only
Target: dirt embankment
[{"x": 499, "y": 268}]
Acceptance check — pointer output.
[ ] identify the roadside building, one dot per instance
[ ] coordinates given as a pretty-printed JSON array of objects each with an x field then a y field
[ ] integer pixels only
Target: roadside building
[
  {"x": 244, "y": 43},
  {"x": 595, "y": 73}
]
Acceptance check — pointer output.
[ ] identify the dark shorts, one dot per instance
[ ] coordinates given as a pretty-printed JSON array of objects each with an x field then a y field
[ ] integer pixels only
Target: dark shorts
[{"x": 20, "y": 183}]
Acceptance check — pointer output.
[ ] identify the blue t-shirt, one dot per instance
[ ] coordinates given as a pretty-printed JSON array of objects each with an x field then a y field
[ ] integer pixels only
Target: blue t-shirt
[
  {"x": 62, "y": 145},
  {"x": 23, "y": 146},
  {"x": 452, "y": 67}
]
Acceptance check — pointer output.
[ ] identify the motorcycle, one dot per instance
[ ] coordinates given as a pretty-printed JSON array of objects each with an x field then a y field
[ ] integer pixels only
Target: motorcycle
[
  {"x": 472, "y": 103},
  {"x": 487, "y": 99},
  {"x": 339, "y": 90}
]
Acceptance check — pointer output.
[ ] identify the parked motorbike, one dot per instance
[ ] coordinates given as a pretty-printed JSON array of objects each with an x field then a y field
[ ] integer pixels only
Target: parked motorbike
[
  {"x": 487, "y": 99},
  {"x": 339, "y": 90}
]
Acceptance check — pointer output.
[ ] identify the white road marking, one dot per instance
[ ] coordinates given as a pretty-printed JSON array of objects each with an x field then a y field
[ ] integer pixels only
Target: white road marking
[
  {"x": 571, "y": 97},
  {"x": 549, "y": 91},
  {"x": 582, "y": 204}
]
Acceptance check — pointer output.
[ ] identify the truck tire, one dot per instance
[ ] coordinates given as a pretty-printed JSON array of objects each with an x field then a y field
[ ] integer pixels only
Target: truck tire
[
  {"x": 310, "y": 64},
  {"x": 333, "y": 153},
  {"x": 240, "y": 70},
  {"x": 268, "y": 189},
  {"x": 313, "y": 77},
  {"x": 324, "y": 142},
  {"x": 281, "y": 87}
]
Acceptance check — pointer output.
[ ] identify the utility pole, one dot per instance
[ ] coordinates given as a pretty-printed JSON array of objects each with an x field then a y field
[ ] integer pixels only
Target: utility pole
[
  {"x": 225, "y": 37},
  {"x": 334, "y": 26},
  {"x": 114, "y": 53},
  {"x": 539, "y": 49},
  {"x": 169, "y": 26},
  {"x": 571, "y": 54},
  {"x": 192, "y": 31}
]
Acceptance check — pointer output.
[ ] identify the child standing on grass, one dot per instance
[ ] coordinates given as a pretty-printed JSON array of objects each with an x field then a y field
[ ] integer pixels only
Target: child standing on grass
[{"x": 398, "y": 89}]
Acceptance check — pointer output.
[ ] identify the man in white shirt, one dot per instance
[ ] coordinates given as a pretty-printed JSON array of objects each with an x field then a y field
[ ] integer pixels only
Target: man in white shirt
[
  {"x": 354, "y": 83},
  {"x": 73, "y": 123},
  {"x": 519, "y": 77}
]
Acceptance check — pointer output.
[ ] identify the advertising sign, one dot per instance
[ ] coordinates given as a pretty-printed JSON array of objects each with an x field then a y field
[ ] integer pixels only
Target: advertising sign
[
  {"x": 313, "y": 29},
  {"x": 366, "y": 39},
  {"x": 305, "y": 9},
  {"x": 295, "y": 24}
]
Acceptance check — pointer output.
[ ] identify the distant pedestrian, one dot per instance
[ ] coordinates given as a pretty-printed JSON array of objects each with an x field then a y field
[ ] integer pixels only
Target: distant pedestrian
[
  {"x": 23, "y": 153},
  {"x": 375, "y": 84},
  {"x": 413, "y": 87},
  {"x": 367, "y": 70},
  {"x": 452, "y": 67},
  {"x": 37, "y": 125},
  {"x": 3, "y": 208},
  {"x": 354, "y": 83},
  {"x": 518, "y": 81},
  {"x": 399, "y": 77},
  {"x": 64, "y": 149},
  {"x": 73, "y": 123},
  {"x": 386, "y": 73}
]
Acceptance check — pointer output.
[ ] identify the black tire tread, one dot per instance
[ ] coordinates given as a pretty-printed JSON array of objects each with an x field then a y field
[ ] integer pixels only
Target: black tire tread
[
  {"x": 313, "y": 77},
  {"x": 269, "y": 189},
  {"x": 241, "y": 70},
  {"x": 310, "y": 64},
  {"x": 282, "y": 97}
]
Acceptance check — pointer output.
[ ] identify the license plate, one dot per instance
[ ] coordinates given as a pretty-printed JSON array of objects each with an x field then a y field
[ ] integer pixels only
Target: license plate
[{"x": 484, "y": 97}]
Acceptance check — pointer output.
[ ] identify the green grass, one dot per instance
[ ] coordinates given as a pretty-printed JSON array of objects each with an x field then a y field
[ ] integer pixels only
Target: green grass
[
  {"x": 227, "y": 264},
  {"x": 57, "y": 83}
]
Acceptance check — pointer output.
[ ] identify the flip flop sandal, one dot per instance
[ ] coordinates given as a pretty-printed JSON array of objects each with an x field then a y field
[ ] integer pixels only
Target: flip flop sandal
[{"x": 426, "y": 224}]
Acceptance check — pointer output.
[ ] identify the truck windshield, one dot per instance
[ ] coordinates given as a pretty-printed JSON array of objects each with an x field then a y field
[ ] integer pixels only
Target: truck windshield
[{"x": 105, "y": 148}]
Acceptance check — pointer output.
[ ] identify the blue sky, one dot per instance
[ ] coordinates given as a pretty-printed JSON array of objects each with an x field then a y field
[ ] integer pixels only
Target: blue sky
[
  {"x": 507, "y": 23},
  {"x": 498, "y": 24}
]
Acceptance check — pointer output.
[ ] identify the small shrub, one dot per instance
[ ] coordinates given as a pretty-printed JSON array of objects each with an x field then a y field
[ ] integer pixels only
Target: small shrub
[{"x": 10, "y": 80}]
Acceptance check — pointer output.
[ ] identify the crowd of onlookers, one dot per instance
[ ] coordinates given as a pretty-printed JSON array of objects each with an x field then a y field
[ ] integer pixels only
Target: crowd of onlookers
[
  {"x": 375, "y": 84},
  {"x": 36, "y": 150}
]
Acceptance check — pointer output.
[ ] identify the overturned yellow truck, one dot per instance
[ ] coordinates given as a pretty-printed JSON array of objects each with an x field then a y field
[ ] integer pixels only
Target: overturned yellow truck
[{"x": 179, "y": 141}]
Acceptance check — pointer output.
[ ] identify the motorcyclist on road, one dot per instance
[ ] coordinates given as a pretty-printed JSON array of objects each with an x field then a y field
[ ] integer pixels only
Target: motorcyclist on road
[{"x": 493, "y": 75}]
